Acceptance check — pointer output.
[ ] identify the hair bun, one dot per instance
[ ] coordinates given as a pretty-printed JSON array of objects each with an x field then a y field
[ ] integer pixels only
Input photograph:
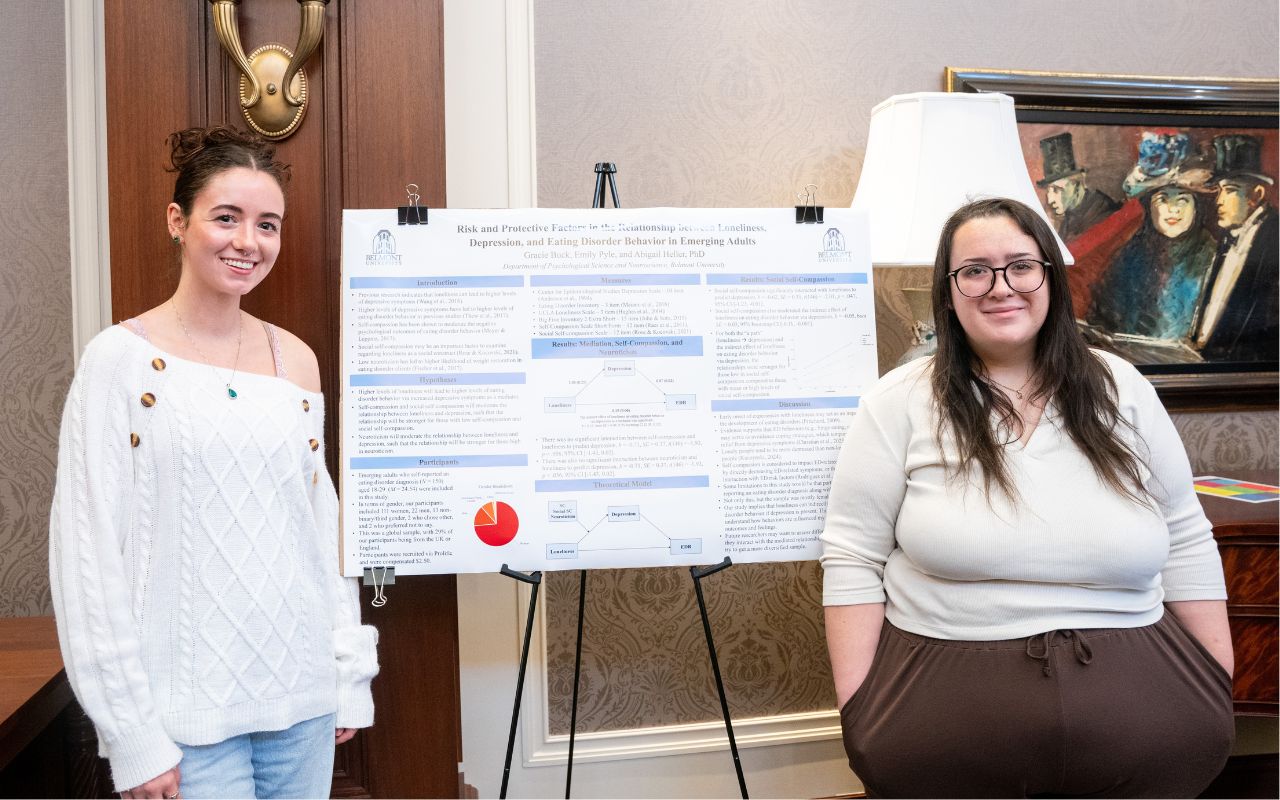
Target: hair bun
[
  {"x": 199, "y": 154},
  {"x": 187, "y": 145}
]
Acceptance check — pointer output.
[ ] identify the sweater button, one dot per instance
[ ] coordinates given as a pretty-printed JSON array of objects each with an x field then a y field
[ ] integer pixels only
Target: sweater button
[
  {"x": 315, "y": 445},
  {"x": 158, "y": 364},
  {"x": 306, "y": 404},
  {"x": 148, "y": 399},
  {"x": 134, "y": 440}
]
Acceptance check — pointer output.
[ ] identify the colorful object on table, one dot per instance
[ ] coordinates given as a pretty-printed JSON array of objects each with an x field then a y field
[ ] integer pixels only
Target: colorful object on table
[{"x": 1233, "y": 489}]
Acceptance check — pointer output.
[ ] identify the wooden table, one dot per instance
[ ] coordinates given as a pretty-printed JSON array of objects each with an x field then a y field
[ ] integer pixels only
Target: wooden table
[
  {"x": 1248, "y": 536},
  {"x": 33, "y": 686}
]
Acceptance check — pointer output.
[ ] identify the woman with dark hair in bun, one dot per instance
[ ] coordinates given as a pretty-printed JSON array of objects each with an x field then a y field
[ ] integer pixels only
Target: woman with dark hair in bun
[{"x": 204, "y": 623}]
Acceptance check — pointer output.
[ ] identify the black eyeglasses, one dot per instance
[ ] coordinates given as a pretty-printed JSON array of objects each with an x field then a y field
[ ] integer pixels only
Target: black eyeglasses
[{"x": 1023, "y": 276}]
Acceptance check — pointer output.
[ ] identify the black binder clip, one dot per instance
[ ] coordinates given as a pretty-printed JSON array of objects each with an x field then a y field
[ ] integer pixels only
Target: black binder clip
[
  {"x": 809, "y": 212},
  {"x": 412, "y": 214}
]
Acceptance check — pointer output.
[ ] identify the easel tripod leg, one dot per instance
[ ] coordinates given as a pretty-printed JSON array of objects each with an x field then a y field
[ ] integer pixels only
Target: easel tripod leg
[
  {"x": 535, "y": 580},
  {"x": 577, "y": 672},
  {"x": 597, "y": 201},
  {"x": 698, "y": 575}
]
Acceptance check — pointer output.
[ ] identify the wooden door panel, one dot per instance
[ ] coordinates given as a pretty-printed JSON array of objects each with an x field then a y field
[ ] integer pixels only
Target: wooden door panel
[
  {"x": 301, "y": 292},
  {"x": 394, "y": 104},
  {"x": 151, "y": 83},
  {"x": 376, "y": 122}
]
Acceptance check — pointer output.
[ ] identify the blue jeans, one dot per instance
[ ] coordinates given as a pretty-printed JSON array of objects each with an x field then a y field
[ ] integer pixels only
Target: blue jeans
[{"x": 295, "y": 762}]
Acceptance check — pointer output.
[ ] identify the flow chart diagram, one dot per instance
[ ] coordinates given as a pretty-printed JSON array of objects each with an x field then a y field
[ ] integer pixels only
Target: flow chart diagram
[
  {"x": 619, "y": 385},
  {"x": 620, "y": 527}
]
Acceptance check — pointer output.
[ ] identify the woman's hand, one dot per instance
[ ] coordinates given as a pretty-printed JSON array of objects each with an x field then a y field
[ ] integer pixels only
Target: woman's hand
[
  {"x": 341, "y": 735},
  {"x": 1207, "y": 621},
  {"x": 853, "y": 634},
  {"x": 164, "y": 785}
]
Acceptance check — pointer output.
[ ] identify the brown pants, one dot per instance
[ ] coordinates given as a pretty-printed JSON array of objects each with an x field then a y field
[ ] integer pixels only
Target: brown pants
[{"x": 1109, "y": 712}]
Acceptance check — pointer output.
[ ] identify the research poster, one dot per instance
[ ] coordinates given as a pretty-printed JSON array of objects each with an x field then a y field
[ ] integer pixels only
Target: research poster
[{"x": 566, "y": 389}]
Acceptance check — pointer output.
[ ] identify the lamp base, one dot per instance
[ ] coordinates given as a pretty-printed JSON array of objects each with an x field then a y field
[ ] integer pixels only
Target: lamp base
[{"x": 923, "y": 337}]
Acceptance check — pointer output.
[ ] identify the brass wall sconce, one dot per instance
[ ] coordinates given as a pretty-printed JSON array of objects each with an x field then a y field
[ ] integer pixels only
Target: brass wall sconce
[{"x": 273, "y": 87}]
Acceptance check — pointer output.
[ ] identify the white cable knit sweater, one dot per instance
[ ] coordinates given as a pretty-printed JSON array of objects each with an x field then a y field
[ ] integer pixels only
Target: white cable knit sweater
[{"x": 193, "y": 558}]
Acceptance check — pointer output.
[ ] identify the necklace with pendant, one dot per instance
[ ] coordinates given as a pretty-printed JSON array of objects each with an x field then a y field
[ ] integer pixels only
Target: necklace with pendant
[
  {"x": 1017, "y": 392},
  {"x": 239, "y": 338}
]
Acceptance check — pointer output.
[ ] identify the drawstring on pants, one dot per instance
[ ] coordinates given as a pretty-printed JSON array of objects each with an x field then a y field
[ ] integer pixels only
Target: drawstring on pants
[{"x": 1080, "y": 646}]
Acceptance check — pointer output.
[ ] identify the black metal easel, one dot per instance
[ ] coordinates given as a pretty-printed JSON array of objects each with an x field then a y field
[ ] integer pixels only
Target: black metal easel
[
  {"x": 605, "y": 172},
  {"x": 534, "y": 580},
  {"x": 698, "y": 574}
]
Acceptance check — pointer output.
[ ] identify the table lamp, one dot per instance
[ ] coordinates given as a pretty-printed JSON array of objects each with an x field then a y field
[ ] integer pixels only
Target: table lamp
[{"x": 929, "y": 153}]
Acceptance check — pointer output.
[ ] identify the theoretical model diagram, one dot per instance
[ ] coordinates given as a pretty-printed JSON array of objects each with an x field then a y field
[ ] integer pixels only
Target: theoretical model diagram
[
  {"x": 619, "y": 528},
  {"x": 619, "y": 386}
]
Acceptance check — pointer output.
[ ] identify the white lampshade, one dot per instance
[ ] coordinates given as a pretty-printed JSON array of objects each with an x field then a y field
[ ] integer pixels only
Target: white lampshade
[{"x": 930, "y": 153}]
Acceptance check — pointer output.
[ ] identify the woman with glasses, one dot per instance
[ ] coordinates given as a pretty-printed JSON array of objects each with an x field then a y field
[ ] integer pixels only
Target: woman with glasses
[{"x": 1023, "y": 596}]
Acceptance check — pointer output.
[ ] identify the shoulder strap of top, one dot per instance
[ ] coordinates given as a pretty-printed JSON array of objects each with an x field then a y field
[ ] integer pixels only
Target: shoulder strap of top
[
  {"x": 135, "y": 325},
  {"x": 274, "y": 339}
]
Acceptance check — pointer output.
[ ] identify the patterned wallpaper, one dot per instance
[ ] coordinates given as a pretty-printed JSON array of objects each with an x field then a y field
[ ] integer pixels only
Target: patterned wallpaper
[
  {"x": 1222, "y": 443},
  {"x": 35, "y": 295},
  {"x": 742, "y": 103},
  {"x": 645, "y": 656}
]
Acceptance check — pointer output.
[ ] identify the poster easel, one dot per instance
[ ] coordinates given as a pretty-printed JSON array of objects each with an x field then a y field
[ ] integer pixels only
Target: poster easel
[{"x": 605, "y": 172}]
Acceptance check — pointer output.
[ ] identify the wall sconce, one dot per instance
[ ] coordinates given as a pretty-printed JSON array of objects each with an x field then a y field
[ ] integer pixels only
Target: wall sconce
[{"x": 273, "y": 87}]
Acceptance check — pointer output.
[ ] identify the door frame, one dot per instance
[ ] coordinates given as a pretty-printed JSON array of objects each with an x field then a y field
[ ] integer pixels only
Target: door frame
[{"x": 87, "y": 196}]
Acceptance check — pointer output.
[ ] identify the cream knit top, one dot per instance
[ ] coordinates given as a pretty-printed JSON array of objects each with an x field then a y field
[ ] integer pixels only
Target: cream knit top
[
  {"x": 952, "y": 563},
  {"x": 193, "y": 558}
]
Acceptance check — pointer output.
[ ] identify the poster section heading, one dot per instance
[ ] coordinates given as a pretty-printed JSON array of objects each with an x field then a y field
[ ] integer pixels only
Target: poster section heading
[{"x": 565, "y": 389}]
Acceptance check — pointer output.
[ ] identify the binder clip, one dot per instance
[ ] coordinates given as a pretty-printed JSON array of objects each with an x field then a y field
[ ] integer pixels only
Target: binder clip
[
  {"x": 412, "y": 214},
  {"x": 378, "y": 578},
  {"x": 808, "y": 212}
]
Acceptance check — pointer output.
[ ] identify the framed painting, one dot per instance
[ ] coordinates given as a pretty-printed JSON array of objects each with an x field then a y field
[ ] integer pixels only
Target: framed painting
[{"x": 1164, "y": 190}]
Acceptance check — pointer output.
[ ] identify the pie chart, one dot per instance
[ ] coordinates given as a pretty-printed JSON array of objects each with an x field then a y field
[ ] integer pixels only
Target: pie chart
[{"x": 496, "y": 523}]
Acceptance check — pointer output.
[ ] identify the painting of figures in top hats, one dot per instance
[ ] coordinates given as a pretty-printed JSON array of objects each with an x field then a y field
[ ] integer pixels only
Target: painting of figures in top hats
[
  {"x": 1164, "y": 189},
  {"x": 1174, "y": 232}
]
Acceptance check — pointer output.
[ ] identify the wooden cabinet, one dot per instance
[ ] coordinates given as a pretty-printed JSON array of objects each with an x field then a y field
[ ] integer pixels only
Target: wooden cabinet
[
  {"x": 1248, "y": 535},
  {"x": 47, "y": 745}
]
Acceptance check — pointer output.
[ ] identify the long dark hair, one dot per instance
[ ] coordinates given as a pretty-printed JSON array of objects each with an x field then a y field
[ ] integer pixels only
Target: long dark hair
[
  {"x": 1065, "y": 369},
  {"x": 200, "y": 154}
]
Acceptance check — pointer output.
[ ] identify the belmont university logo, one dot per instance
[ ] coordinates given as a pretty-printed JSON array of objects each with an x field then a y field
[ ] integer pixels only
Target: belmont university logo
[
  {"x": 384, "y": 251},
  {"x": 833, "y": 248}
]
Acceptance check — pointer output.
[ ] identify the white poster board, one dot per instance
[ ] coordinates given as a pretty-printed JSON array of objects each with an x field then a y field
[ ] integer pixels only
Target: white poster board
[{"x": 567, "y": 389}]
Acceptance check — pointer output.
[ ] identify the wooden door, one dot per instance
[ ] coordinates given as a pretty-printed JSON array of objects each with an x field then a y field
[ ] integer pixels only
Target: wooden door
[{"x": 376, "y": 123}]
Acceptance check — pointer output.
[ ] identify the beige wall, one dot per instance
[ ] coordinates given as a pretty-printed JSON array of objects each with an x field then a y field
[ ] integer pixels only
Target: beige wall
[
  {"x": 742, "y": 103},
  {"x": 35, "y": 293}
]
